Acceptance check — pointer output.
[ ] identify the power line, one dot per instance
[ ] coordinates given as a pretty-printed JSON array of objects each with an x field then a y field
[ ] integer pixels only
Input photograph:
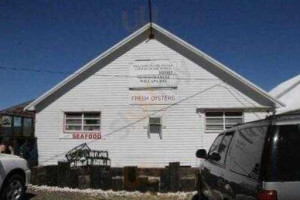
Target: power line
[
  {"x": 241, "y": 101},
  {"x": 141, "y": 119},
  {"x": 101, "y": 75}
]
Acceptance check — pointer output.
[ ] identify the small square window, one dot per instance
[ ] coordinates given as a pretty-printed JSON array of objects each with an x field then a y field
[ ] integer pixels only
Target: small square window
[{"x": 155, "y": 126}]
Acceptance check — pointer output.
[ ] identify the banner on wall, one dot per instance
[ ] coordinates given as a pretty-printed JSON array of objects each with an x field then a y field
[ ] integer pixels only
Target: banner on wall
[{"x": 152, "y": 73}]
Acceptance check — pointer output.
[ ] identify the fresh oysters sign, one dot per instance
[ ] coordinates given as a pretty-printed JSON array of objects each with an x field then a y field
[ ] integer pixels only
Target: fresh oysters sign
[
  {"x": 151, "y": 97},
  {"x": 152, "y": 74},
  {"x": 152, "y": 82}
]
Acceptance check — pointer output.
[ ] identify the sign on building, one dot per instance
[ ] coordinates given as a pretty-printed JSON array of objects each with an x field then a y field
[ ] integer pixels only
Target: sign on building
[
  {"x": 152, "y": 73},
  {"x": 152, "y": 82},
  {"x": 156, "y": 97}
]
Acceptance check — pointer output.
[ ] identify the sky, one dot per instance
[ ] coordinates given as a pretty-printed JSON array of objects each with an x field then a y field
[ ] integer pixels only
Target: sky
[{"x": 259, "y": 39}]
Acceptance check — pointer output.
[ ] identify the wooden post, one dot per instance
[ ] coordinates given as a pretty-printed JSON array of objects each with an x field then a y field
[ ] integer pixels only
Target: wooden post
[
  {"x": 95, "y": 175},
  {"x": 130, "y": 178},
  {"x": 174, "y": 176},
  {"x": 84, "y": 181},
  {"x": 118, "y": 183},
  {"x": 51, "y": 175},
  {"x": 64, "y": 171}
]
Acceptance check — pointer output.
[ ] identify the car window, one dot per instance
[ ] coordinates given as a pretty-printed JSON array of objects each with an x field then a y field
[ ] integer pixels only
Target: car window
[
  {"x": 214, "y": 147},
  {"x": 223, "y": 148},
  {"x": 283, "y": 164},
  {"x": 247, "y": 152},
  {"x": 221, "y": 145}
]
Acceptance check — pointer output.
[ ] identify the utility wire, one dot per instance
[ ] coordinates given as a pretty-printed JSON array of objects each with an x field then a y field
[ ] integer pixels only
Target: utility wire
[
  {"x": 141, "y": 119},
  {"x": 231, "y": 92},
  {"x": 101, "y": 75}
]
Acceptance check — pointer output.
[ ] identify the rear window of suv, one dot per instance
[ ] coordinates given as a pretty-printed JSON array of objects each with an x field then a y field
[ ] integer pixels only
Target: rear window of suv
[
  {"x": 247, "y": 152},
  {"x": 284, "y": 155}
]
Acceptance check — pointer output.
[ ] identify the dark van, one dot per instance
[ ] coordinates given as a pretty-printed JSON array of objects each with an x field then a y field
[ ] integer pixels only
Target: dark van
[{"x": 254, "y": 161}]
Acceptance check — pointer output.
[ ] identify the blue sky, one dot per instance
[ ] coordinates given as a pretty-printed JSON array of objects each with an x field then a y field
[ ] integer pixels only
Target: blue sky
[{"x": 258, "y": 39}]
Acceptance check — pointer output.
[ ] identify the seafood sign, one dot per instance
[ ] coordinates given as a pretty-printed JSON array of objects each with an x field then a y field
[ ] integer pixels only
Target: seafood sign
[{"x": 90, "y": 136}]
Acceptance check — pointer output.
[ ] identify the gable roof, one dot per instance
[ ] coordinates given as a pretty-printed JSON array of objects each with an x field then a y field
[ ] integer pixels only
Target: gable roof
[
  {"x": 193, "y": 53},
  {"x": 289, "y": 93},
  {"x": 18, "y": 110},
  {"x": 286, "y": 86}
]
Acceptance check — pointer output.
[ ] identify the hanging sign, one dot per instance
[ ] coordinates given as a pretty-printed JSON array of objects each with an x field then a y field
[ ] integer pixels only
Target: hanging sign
[{"x": 152, "y": 73}]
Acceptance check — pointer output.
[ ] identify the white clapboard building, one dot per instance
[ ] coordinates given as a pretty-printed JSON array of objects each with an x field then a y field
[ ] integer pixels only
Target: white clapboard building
[
  {"x": 148, "y": 100},
  {"x": 288, "y": 92}
]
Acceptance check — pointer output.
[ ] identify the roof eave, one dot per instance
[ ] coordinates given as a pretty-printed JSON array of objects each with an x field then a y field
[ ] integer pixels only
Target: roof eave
[
  {"x": 276, "y": 102},
  {"x": 31, "y": 106},
  {"x": 220, "y": 66}
]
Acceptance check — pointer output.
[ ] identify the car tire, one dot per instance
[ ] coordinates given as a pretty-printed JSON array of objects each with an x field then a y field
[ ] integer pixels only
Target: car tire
[{"x": 14, "y": 188}]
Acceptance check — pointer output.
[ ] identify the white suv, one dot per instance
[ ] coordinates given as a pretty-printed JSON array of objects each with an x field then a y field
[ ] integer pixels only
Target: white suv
[{"x": 14, "y": 177}]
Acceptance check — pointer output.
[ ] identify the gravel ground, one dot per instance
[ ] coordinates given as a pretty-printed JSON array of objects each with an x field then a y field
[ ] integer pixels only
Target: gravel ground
[{"x": 55, "y": 193}]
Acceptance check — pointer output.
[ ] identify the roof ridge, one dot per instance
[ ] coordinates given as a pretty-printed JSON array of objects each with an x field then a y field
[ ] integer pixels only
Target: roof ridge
[
  {"x": 288, "y": 89},
  {"x": 143, "y": 30}
]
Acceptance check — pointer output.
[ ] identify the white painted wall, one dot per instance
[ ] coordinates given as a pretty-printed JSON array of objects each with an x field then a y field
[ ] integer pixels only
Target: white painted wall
[{"x": 183, "y": 131}]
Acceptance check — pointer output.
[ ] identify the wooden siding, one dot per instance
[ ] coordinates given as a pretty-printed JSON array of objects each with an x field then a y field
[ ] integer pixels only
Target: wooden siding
[{"x": 183, "y": 127}]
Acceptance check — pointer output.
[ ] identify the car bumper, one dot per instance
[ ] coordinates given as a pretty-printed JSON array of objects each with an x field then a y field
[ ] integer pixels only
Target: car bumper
[{"x": 28, "y": 176}]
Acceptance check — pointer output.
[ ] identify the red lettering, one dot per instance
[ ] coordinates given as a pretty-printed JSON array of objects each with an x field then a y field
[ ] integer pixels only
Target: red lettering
[{"x": 86, "y": 136}]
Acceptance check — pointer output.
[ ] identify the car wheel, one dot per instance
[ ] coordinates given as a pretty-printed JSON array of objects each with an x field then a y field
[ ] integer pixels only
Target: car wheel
[{"x": 14, "y": 188}]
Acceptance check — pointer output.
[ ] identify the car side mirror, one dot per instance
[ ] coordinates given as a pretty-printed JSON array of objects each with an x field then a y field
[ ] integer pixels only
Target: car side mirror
[
  {"x": 201, "y": 153},
  {"x": 215, "y": 156}
]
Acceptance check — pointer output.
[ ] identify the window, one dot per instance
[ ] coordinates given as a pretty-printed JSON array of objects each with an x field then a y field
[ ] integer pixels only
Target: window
[
  {"x": 247, "y": 152},
  {"x": 6, "y": 126},
  {"x": 214, "y": 147},
  {"x": 223, "y": 148},
  {"x": 17, "y": 126},
  {"x": 6, "y": 121},
  {"x": 155, "y": 126},
  {"x": 87, "y": 121},
  {"x": 219, "y": 121},
  {"x": 27, "y": 127},
  {"x": 221, "y": 145},
  {"x": 283, "y": 162}
]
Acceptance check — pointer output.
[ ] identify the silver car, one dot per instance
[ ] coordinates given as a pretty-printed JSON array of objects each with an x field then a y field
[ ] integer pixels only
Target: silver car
[
  {"x": 14, "y": 177},
  {"x": 253, "y": 161}
]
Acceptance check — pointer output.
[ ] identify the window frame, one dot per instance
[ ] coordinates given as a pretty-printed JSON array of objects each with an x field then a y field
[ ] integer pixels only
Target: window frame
[
  {"x": 12, "y": 129},
  {"x": 31, "y": 127},
  {"x": 224, "y": 117},
  {"x": 160, "y": 124},
  {"x": 82, "y": 122}
]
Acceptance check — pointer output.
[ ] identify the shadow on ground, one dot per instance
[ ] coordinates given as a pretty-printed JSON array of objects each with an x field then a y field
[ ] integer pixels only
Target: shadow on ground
[{"x": 29, "y": 196}]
